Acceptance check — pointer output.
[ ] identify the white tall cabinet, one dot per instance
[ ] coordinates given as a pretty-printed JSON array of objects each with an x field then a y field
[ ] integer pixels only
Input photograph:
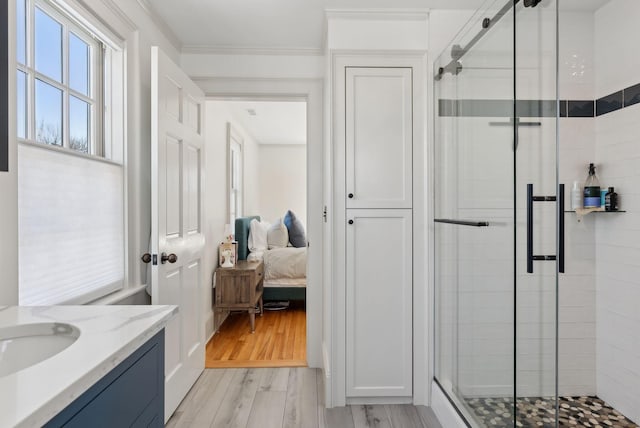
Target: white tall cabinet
[{"x": 378, "y": 137}]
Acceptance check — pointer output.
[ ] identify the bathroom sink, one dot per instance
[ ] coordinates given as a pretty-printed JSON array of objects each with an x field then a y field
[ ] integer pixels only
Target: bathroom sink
[{"x": 23, "y": 346}]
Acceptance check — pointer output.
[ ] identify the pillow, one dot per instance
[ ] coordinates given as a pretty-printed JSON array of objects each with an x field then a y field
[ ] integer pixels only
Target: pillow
[
  {"x": 297, "y": 237},
  {"x": 278, "y": 236},
  {"x": 258, "y": 231},
  {"x": 255, "y": 256}
]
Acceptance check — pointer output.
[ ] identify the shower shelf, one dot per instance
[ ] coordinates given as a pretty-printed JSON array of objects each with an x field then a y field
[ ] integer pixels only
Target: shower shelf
[
  {"x": 599, "y": 212},
  {"x": 581, "y": 215}
]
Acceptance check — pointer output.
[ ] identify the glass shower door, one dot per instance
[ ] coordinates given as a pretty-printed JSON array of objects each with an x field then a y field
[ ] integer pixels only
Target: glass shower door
[
  {"x": 495, "y": 135},
  {"x": 539, "y": 214}
]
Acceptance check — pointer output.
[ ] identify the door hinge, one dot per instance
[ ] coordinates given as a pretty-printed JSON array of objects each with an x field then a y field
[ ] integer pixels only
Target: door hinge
[{"x": 324, "y": 213}]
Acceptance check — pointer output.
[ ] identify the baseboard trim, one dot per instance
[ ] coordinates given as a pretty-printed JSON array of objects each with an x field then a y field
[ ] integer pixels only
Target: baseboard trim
[
  {"x": 326, "y": 370},
  {"x": 379, "y": 400},
  {"x": 209, "y": 327}
]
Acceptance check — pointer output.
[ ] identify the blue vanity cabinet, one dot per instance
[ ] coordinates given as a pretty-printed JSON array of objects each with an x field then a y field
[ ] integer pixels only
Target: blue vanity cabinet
[{"x": 131, "y": 395}]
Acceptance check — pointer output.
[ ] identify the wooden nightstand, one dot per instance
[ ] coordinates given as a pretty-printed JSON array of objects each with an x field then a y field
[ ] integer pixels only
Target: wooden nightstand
[{"x": 240, "y": 288}]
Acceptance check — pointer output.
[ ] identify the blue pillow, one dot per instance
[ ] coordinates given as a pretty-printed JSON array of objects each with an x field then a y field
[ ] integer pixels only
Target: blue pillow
[
  {"x": 287, "y": 219},
  {"x": 297, "y": 236}
]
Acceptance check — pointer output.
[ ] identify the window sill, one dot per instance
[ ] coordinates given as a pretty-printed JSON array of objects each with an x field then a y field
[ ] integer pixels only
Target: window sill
[{"x": 117, "y": 296}]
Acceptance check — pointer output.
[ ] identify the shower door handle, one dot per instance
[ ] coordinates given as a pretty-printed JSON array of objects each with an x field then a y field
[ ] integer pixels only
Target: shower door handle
[
  {"x": 561, "y": 228},
  {"x": 530, "y": 256},
  {"x": 529, "y": 228}
]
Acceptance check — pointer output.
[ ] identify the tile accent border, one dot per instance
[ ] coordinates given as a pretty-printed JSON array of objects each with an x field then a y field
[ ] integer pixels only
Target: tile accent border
[
  {"x": 577, "y": 108},
  {"x": 609, "y": 103},
  {"x": 540, "y": 108}
]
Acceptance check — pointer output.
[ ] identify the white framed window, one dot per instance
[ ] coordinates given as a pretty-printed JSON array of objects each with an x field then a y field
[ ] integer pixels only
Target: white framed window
[
  {"x": 61, "y": 69},
  {"x": 235, "y": 169},
  {"x": 71, "y": 177}
]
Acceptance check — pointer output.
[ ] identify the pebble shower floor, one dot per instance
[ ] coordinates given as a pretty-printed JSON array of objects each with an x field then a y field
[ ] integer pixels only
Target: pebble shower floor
[{"x": 589, "y": 412}]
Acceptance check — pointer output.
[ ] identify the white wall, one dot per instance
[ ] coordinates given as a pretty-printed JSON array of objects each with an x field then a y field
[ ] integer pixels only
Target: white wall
[
  {"x": 252, "y": 183},
  {"x": 399, "y": 31},
  {"x": 282, "y": 173},
  {"x": 243, "y": 65},
  {"x": 216, "y": 209},
  {"x": 618, "y": 235}
]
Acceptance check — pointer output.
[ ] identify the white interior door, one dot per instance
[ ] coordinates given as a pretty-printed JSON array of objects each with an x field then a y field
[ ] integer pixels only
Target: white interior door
[{"x": 177, "y": 144}]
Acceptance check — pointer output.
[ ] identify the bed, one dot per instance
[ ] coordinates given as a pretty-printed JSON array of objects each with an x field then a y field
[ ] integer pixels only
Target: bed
[{"x": 285, "y": 268}]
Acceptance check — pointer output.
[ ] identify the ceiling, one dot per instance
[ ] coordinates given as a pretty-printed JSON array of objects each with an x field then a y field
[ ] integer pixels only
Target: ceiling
[
  {"x": 269, "y": 24},
  {"x": 273, "y": 122},
  {"x": 286, "y": 25}
]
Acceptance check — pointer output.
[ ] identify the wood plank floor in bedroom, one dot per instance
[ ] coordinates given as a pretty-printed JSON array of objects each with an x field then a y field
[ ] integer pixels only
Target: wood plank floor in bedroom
[{"x": 279, "y": 340}]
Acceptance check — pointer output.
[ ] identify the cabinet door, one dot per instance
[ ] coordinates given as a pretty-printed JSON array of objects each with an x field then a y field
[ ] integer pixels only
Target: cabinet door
[
  {"x": 379, "y": 303},
  {"x": 379, "y": 137}
]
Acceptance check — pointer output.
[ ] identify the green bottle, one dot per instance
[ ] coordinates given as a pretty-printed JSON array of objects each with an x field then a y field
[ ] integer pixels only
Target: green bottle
[{"x": 592, "y": 197}]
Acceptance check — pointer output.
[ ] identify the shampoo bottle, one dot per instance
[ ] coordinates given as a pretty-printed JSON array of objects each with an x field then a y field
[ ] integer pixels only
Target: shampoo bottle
[
  {"x": 592, "y": 189},
  {"x": 576, "y": 196},
  {"x": 611, "y": 200}
]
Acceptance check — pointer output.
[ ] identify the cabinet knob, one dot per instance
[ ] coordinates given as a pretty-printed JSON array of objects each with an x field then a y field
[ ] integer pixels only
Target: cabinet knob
[
  {"x": 350, "y": 195},
  {"x": 350, "y": 221}
]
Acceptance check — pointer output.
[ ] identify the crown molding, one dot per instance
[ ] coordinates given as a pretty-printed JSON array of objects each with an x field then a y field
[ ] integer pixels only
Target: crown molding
[
  {"x": 145, "y": 5},
  {"x": 249, "y": 50},
  {"x": 113, "y": 8},
  {"x": 378, "y": 14}
]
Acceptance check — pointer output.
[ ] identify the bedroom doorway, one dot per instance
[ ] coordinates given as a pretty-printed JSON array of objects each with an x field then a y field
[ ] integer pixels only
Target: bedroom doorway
[{"x": 261, "y": 145}]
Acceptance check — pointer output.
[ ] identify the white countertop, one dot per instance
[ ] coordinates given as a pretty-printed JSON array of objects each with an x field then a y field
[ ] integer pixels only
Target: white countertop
[{"x": 108, "y": 335}]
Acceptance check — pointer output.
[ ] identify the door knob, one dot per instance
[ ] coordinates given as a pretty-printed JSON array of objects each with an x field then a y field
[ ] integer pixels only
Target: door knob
[
  {"x": 146, "y": 258},
  {"x": 171, "y": 258}
]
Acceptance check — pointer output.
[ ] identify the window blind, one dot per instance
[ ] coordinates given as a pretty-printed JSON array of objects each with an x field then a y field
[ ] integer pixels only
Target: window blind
[{"x": 71, "y": 227}]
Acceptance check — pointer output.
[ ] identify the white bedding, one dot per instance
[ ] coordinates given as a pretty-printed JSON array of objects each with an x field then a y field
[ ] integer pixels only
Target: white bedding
[{"x": 285, "y": 263}]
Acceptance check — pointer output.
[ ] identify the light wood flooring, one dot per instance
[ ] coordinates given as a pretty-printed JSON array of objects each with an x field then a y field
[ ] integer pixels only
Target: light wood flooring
[
  {"x": 279, "y": 340},
  {"x": 282, "y": 397}
]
